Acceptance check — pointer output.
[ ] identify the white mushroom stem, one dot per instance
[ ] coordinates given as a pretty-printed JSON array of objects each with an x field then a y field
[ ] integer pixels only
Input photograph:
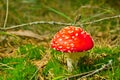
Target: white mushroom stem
[
  {"x": 72, "y": 60},
  {"x": 69, "y": 64}
]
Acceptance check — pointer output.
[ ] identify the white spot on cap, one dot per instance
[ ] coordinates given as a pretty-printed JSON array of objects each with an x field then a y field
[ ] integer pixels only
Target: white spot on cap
[
  {"x": 72, "y": 45},
  {"x": 62, "y": 50},
  {"x": 76, "y": 29},
  {"x": 56, "y": 36},
  {"x": 60, "y": 39},
  {"x": 69, "y": 51},
  {"x": 73, "y": 37},
  {"x": 70, "y": 32},
  {"x": 76, "y": 34},
  {"x": 68, "y": 47},
  {"x": 58, "y": 44},
  {"x": 55, "y": 42},
  {"x": 72, "y": 48},
  {"x": 66, "y": 37},
  {"x": 87, "y": 33},
  {"x": 52, "y": 44},
  {"x": 65, "y": 42},
  {"x": 60, "y": 47},
  {"x": 63, "y": 36},
  {"x": 70, "y": 40},
  {"x": 82, "y": 32}
]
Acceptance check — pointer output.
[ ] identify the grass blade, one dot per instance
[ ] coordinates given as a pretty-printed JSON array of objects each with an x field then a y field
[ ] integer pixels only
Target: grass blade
[{"x": 60, "y": 13}]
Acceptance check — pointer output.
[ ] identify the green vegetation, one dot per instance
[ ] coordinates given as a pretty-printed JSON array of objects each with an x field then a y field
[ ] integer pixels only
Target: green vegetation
[
  {"x": 20, "y": 69},
  {"x": 20, "y": 55}
]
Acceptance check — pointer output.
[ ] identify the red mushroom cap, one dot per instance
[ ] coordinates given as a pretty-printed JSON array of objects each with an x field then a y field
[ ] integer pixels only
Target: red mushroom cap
[{"x": 72, "y": 39}]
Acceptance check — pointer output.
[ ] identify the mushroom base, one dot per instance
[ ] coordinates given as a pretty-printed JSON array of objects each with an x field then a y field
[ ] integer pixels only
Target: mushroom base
[{"x": 72, "y": 60}]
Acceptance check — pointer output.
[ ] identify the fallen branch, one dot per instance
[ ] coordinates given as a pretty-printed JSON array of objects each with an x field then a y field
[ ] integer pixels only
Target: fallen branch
[
  {"x": 106, "y": 18},
  {"x": 37, "y": 22},
  {"x": 59, "y": 23},
  {"x": 90, "y": 73}
]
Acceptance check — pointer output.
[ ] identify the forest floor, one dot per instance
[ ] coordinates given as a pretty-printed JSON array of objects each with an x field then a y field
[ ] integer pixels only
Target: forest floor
[{"x": 27, "y": 27}]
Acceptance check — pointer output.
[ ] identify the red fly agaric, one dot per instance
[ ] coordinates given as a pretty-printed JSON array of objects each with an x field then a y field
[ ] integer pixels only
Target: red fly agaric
[{"x": 72, "y": 40}]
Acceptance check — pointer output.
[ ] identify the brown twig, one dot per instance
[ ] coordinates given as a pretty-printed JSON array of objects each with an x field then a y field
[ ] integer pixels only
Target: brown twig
[
  {"x": 37, "y": 22},
  {"x": 90, "y": 73},
  {"x": 106, "y": 18},
  {"x": 59, "y": 23}
]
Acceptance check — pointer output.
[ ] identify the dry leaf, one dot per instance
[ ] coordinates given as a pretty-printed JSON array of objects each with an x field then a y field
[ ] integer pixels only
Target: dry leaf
[{"x": 28, "y": 33}]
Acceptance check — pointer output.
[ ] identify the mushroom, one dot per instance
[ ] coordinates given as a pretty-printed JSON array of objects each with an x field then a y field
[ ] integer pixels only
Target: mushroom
[{"x": 72, "y": 41}]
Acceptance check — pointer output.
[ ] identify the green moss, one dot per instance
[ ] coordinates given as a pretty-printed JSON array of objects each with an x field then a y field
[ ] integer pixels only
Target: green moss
[{"x": 20, "y": 69}]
